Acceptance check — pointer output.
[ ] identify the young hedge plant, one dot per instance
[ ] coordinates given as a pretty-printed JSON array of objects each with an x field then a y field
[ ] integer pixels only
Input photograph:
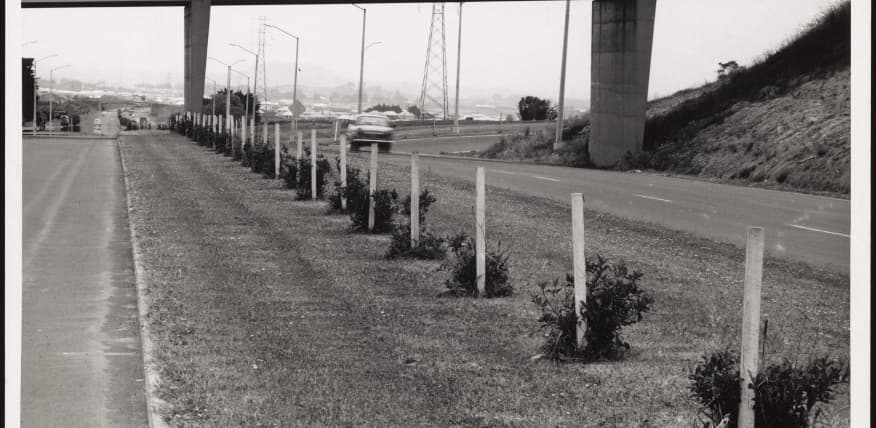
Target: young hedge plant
[
  {"x": 463, "y": 270},
  {"x": 355, "y": 192},
  {"x": 429, "y": 246},
  {"x": 614, "y": 300},
  {"x": 786, "y": 393},
  {"x": 303, "y": 189}
]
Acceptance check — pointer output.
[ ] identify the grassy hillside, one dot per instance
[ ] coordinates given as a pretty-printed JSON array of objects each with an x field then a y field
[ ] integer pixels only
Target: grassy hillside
[{"x": 782, "y": 121}]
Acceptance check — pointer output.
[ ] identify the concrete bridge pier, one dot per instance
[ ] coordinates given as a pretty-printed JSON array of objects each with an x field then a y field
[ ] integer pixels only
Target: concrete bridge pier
[
  {"x": 622, "y": 34},
  {"x": 196, "y": 33}
]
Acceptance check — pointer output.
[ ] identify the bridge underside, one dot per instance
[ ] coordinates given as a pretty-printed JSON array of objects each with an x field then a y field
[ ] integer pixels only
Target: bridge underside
[{"x": 622, "y": 33}]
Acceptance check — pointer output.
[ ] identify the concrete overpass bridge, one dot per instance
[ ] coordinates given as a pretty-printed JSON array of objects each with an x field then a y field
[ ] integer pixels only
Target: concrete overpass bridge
[{"x": 622, "y": 34}]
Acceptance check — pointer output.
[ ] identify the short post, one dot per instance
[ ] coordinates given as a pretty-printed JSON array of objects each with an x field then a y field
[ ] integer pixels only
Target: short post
[
  {"x": 480, "y": 235},
  {"x": 336, "y": 131},
  {"x": 343, "y": 151},
  {"x": 580, "y": 266},
  {"x": 372, "y": 186},
  {"x": 434, "y": 126},
  {"x": 242, "y": 137},
  {"x": 415, "y": 199},
  {"x": 277, "y": 151},
  {"x": 252, "y": 130},
  {"x": 750, "y": 324},
  {"x": 298, "y": 155},
  {"x": 265, "y": 135},
  {"x": 313, "y": 163}
]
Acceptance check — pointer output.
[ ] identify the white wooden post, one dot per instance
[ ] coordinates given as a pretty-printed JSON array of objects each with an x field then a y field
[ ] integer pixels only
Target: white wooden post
[
  {"x": 265, "y": 136},
  {"x": 313, "y": 163},
  {"x": 277, "y": 151},
  {"x": 580, "y": 266},
  {"x": 343, "y": 151},
  {"x": 336, "y": 131},
  {"x": 750, "y": 324},
  {"x": 415, "y": 199},
  {"x": 372, "y": 186},
  {"x": 480, "y": 235},
  {"x": 242, "y": 136},
  {"x": 252, "y": 129}
]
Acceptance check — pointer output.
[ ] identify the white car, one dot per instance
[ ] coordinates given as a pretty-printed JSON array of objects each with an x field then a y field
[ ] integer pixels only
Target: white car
[
  {"x": 97, "y": 124},
  {"x": 370, "y": 128}
]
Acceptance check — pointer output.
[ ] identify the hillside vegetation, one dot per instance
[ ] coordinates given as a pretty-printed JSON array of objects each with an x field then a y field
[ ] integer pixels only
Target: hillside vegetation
[{"x": 783, "y": 121}]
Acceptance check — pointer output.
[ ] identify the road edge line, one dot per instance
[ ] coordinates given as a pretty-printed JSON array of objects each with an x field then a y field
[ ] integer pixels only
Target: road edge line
[{"x": 150, "y": 371}]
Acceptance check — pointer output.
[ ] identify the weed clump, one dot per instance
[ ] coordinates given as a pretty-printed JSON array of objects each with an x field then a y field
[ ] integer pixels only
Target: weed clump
[
  {"x": 787, "y": 393},
  {"x": 614, "y": 300},
  {"x": 463, "y": 270}
]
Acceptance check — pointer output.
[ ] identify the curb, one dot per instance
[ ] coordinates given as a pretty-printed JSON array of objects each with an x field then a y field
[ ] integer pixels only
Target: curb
[
  {"x": 69, "y": 137},
  {"x": 150, "y": 370}
]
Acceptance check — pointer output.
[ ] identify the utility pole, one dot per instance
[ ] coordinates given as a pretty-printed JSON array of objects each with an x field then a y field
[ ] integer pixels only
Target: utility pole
[
  {"x": 361, "y": 60},
  {"x": 228, "y": 121},
  {"x": 255, "y": 76},
  {"x": 51, "y": 86},
  {"x": 559, "y": 136},
  {"x": 35, "y": 78},
  {"x": 295, "y": 82},
  {"x": 458, "y": 59}
]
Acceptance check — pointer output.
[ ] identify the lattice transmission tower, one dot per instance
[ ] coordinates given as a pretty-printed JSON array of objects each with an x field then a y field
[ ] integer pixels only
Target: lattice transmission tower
[
  {"x": 263, "y": 61},
  {"x": 433, "y": 95}
]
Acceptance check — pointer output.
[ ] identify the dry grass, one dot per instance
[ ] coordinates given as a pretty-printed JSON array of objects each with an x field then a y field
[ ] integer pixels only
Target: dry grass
[{"x": 267, "y": 312}]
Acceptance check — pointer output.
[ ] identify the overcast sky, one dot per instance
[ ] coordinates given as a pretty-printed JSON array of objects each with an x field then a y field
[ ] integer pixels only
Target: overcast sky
[{"x": 507, "y": 47}]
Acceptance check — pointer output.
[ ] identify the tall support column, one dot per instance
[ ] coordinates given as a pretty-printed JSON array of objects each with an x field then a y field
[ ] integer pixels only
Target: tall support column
[
  {"x": 623, "y": 31},
  {"x": 196, "y": 33}
]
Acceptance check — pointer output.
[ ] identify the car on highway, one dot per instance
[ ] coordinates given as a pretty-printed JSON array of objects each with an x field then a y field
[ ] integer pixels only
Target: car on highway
[
  {"x": 97, "y": 124},
  {"x": 370, "y": 128}
]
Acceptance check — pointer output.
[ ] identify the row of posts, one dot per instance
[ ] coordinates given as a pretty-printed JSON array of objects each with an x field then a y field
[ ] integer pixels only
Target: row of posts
[{"x": 753, "y": 252}]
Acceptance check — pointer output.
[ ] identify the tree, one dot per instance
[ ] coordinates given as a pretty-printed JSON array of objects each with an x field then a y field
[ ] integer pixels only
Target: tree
[
  {"x": 727, "y": 68},
  {"x": 534, "y": 108},
  {"x": 28, "y": 86},
  {"x": 509, "y": 118},
  {"x": 385, "y": 107},
  {"x": 298, "y": 108},
  {"x": 414, "y": 110},
  {"x": 237, "y": 104}
]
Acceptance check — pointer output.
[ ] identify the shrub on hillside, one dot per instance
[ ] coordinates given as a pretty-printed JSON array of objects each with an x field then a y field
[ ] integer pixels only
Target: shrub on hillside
[
  {"x": 614, "y": 300},
  {"x": 787, "y": 393},
  {"x": 303, "y": 183},
  {"x": 463, "y": 270}
]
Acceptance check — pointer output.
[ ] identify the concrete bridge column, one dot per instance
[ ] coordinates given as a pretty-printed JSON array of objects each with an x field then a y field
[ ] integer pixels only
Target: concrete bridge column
[
  {"x": 623, "y": 31},
  {"x": 197, "y": 31}
]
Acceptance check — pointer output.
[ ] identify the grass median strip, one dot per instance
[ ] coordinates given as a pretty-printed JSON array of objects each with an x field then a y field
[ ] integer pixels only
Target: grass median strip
[{"x": 267, "y": 312}]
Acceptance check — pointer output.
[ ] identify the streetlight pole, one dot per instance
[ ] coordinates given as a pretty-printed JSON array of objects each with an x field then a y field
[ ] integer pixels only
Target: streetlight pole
[
  {"x": 362, "y": 79},
  {"x": 295, "y": 81},
  {"x": 362, "y": 58},
  {"x": 51, "y": 86},
  {"x": 246, "y": 97},
  {"x": 559, "y": 132},
  {"x": 458, "y": 58},
  {"x": 255, "y": 78},
  {"x": 227, "y": 91},
  {"x": 35, "y": 91}
]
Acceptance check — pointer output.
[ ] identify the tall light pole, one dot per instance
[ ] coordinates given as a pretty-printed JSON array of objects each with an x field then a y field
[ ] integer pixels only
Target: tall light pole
[
  {"x": 227, "y": 92},
  {"x": 559, "y": 136},
  {"x": 255, "y": 80},
  {"x": 362, "y": 78},
  {"x": 295, "y": 81},
  {"x": 35, "y": 90},
  {"x": 362, "y": 58},
  {"x": 245, "y": 97},
  {"x": 458, "y": 58},
  {"x": 51, "y": 85}
]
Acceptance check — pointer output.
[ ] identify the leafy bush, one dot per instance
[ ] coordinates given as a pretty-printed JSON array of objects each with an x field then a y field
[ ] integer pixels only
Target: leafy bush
[
  {"x": 426, "y": 199},
  {"x": 786, "y": 393},
  {"x": 246, "y": 159},
  {"x": 302, "y": 184},
  {"x": 289, "y": 172},
  {"x": 430, "y": 246},
  {"x": 463, "y": 270},
  {"x": 614, "y": 300},
  {"x": 385, "y": 207},
  {"x": 356, "y": 191}
]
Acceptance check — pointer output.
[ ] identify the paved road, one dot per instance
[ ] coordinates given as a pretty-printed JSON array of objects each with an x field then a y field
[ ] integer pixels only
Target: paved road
[
  {"x": 810, "y": 228},
  {"x": 81, "y": 359}
]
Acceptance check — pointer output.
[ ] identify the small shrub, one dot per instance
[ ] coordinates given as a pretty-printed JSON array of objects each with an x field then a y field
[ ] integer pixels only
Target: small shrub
[
  {"x": 429, "y": 247},
  {"x": 786, "y": 393},
  {"x": 355, "y": 192},
  {"x": 385, "y": 206},
  {"x": 614, "y": 300},
  {"x": 426, "y": 200},
  {"x": 303, "y": 187},
  {"x": 463, "y": 270}
]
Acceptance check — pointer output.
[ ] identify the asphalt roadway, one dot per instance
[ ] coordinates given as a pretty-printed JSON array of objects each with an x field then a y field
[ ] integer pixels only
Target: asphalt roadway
[
  {"x": 809, "y": 228},
  {"x": 81, "y": 361}
]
